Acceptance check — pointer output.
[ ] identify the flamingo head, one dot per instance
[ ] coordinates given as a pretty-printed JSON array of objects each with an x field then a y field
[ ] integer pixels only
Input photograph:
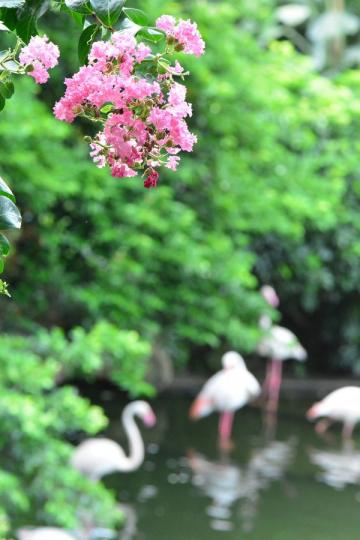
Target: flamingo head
[
  {"x": 313, "y": 412},
  {"x": 143, "y": 410},
  {"x": 232, "y": 359},
  {"x": 269, "y": 294},
  {"x": 202, "y": 406}
]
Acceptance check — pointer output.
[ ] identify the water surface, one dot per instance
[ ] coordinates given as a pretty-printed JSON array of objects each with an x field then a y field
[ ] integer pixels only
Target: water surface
[{"x": 288, "y": 486}]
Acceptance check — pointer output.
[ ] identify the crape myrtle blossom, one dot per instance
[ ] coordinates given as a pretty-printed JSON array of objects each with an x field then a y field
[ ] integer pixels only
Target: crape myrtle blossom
[
  {"x": 184, "y": 34},
  {"x": 132, "y": 94},
  {"x": 41, "y": 55}
]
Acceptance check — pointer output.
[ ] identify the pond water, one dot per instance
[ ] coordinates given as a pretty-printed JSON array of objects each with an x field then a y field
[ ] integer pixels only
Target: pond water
[{"x": 288, "y": 486}]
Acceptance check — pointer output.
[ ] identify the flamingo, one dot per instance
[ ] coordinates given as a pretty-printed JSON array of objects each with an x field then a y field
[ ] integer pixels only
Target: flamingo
[
  {"x": 341, "y": 405},
  {"x": 226, "y": 391},
  {"x": 279, "y": 344},
  {"x": 95, "y": 458},
  {"x": 43, "y": 533}
]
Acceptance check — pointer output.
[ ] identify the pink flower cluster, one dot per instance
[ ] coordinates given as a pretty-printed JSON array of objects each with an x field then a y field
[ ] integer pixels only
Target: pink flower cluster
[
  {"x": 185, "y": 34},
  {"x": 141, "y": 108},
  {"x": 42, "y": 55}
]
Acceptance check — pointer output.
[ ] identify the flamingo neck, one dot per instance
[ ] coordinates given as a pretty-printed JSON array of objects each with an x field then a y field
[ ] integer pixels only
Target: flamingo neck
[
  {"x": 136, "y": 445},
  {"x": 265, "y": 322}
]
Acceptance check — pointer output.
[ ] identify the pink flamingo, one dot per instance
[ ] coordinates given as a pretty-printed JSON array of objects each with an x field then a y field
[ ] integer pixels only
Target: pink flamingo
[
  {"x": 96, "y": 457},
  {"x": 279, "y": 344},
  {"x": 342, "y": 405},
  {"x": 226, "y": 391}
]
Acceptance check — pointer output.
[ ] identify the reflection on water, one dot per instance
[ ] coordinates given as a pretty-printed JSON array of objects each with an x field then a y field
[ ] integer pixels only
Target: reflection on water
[
  {"x": 226, "y": 482},
  {"x": 338, "y": 468},
  {"x": 267, "y": 488}
]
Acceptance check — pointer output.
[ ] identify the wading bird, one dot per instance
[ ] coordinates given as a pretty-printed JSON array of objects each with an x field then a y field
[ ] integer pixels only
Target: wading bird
[
  {"x": 342, "y": 405},
  {"x": 95, "y": 458},
  {"x": 43, "y": 533},
  {"x": 225, "y": 392},
  {"x": 278, "y": 344}
]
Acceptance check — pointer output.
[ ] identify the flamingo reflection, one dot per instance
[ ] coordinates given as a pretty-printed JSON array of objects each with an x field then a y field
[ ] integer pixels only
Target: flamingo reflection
[
  {"x": 338, "y": 468},
  {"x": 226, "y": 482}
]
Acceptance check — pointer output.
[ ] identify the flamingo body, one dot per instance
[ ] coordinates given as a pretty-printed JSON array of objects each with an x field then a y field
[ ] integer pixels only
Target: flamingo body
[
  {"x": 96, "y": 457},
  {"x": 282, "y": 344},
  {"x": 278, "y": 344},
  {"x": 43, "y": 533},
  {"x": 342, "y": 405},
  {"x": 225, "y": 392}
]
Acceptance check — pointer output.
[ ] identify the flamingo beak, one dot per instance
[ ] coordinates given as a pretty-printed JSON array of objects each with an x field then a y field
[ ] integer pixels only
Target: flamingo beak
[
  {"x": 149, "y": 419},
  {"x": 311, "y": 413},
  {"x": 194, "y": 410},
  {"x": 201, "y": 407}
]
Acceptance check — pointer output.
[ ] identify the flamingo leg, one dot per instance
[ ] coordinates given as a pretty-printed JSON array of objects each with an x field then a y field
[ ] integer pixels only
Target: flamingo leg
[
  {"x": 322, "y": 426},
  {"x": 225, "y": 427},
  {"x": 347, "y": 431},
  {"x": 266, "y": 383},
  {"x": 274, "y": 385}
]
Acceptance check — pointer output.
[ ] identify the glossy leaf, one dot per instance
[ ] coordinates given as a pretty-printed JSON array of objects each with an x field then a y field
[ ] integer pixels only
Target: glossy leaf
[
  {"x": 106, "y": 108},
  {"x": 12, "y": 3},
  {"x": 126, "y": 24},
  {"x": 4, "y": 245},
  {"x": 3, "y": 28},
  {"x": 151, "y": 34},
  {"x": 108, "y": 11},
  {"x": 10, "y": 65},
  {"x": 10, "y": 217},
  {"x": 9, "y": 17},
  {"x": 87, "y": 38},
  {"x": 136, "y": 15},
  {"x": 28, "y": 15},
  {"x": 6, "y": 89},
  {"x": 79, "y": 6},
  {"x": 5, "y": 190}
]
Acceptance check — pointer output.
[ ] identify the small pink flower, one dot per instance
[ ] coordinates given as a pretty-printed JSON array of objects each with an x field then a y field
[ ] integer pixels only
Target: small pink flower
[
  {"x": 172, "y": 162},
  {"x": 186, "y": 33},
  {"x": 177, "y": 69},
  {"x": 142, "y": 51},
  {"x": 152, "y": 179},
  {"x": 42, "y": 55},
  {"x": 166, "y": 23},
  {"x": 143, "y": 123},
  {"x": 121, "y": 170}
]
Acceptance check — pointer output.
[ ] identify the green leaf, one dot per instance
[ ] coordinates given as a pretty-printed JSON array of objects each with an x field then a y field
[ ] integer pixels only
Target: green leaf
[
  {"x": 10, "y": 217},
  {"x": 9, "y": 18},
  {"x": 80, "y": 6},
  {"x": 136, "y": 15},
  {"x": 106, "y": 108},
  {"x": 12, "y": 3},
  {"x": 3, "y": 28},
  {"x": 126, "y": 24},
  {"x": 6, "y": 89},
  {"x": 108, "y": 11},
  {"x": 28, "y": 15},
  {"x": 5, "y": 190},
  {"x": 10, "y": 65},
  {"x": 4, "y": 245},
  {"x": 3, "y": 288},
  {"x": 87, "y": 38},
  {"x": 2, "y": 102},
  {"x": 151, "y": 34}
]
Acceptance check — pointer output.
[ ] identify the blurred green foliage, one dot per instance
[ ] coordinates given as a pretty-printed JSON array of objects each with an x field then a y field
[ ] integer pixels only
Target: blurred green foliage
[
  {"x": 36, "y": 483},
  {"x": 105, "y": 271}
]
